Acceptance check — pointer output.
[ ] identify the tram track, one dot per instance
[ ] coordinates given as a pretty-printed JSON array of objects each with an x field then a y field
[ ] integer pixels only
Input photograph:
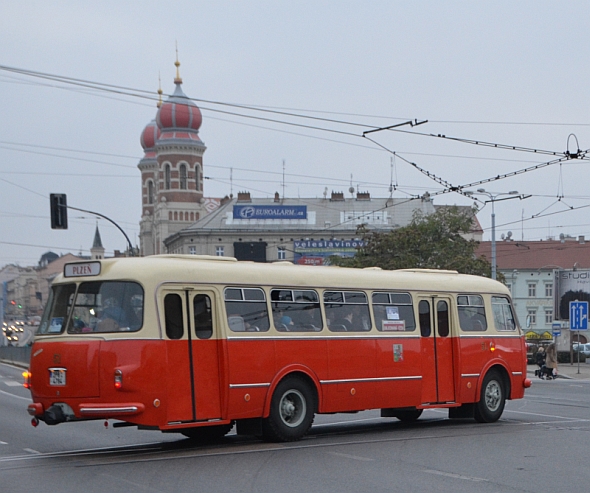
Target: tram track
[{"x": 233, "y": 445}]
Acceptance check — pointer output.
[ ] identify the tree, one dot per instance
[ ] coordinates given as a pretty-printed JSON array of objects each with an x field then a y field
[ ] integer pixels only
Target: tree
[{"x": 433, "y": 241}]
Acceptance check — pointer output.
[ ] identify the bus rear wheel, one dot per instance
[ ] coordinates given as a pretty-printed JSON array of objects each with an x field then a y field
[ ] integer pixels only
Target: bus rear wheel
[
  {"x": 208, "y": 433},
  {"x": 491, "y": 399},
  {"x": 292, "y": 410}
]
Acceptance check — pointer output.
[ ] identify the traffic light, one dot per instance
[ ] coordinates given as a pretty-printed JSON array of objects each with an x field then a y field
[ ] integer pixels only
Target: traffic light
[{"x": 58, "y": 210}]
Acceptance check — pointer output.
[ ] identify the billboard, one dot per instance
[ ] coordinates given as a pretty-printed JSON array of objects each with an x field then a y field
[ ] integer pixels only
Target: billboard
[
  {"x": 317, "y": 252},
  {"x": 570, "y": 285},
  {"x": 270, "y": 212}
]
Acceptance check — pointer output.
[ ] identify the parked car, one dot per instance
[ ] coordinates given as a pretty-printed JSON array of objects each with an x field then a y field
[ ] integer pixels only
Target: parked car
[{"x": 582, "y": 348}]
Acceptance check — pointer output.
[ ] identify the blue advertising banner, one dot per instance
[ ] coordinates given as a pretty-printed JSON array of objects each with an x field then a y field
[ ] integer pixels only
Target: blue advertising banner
[{"x": 270, "y": 212}]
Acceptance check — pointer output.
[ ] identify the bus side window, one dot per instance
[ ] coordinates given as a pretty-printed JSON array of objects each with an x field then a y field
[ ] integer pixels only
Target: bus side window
[
  {"x": 472, "y": 314},
  {"x": 173, "y": 316},
  {"x": 203, "y": 316},
  {"x": 246, "y": 310},
  {"x": 424, "y": 313}
]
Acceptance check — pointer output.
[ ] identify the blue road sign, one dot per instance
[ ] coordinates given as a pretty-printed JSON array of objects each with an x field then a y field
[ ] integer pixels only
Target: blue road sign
[{"x": 578, "y": 315}]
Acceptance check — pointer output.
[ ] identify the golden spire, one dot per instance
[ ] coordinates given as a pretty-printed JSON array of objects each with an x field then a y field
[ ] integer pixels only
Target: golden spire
[
  {"x": 159, "y": 91},
  {"x": 177, "y": 80}
]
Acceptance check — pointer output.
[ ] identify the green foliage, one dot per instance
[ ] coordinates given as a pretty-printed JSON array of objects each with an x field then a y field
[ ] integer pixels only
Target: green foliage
[{"x": 431, "y": 241}]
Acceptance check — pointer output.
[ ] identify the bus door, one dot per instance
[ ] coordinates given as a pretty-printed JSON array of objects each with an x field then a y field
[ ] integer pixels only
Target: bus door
[
  {"x": 438, "y": 382},
  {"x": 192, "y": 347}
]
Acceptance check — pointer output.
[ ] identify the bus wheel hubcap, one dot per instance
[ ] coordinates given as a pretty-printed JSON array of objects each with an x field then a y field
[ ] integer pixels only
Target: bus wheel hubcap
[{"x": 292, "y": 408}]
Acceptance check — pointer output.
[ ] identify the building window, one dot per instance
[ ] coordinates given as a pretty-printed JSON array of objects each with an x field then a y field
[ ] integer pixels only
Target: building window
[
  {"x": 548, "y": 317},
  {"x": 532, "y": 290},
  {"x": 192, "y": 250},
  {"x": 197, "y": 177},
  {"x": 532, "y": 317},
  {"x": 150, "y": 192},
  {"x": 282, "y": 253},
  {"x": 183, "y": 177},
  {"x": 509, "y": 286},
  {"x": 220, "y": 251},
  {"x": 167, "y": 177},
  {"x": 549, "y": 290}
]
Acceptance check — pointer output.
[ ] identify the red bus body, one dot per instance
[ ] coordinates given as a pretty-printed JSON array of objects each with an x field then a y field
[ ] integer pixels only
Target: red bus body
[{"x": 147, "y": 379}]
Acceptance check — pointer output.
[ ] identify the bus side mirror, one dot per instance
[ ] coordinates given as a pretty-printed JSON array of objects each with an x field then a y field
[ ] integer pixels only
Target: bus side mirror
[{"x": 58, "y": 210}]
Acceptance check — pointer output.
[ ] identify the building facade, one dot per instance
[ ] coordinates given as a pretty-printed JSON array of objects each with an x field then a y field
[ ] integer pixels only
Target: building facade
[
  {"x": 304, "y": 231},
  {"x": 529, "y": 269}
]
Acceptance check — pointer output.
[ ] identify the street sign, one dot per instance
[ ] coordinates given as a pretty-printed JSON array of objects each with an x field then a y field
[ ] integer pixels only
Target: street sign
[
  {"x": 556, "y": 328},
  {"x": 578, "y": 315}
]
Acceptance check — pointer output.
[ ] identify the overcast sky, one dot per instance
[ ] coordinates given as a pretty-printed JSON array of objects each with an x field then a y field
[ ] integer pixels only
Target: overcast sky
[{"x": 502, "y": 72}]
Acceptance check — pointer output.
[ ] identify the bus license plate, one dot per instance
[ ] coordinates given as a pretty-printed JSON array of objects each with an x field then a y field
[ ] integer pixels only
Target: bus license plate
[{"x": 57, "y": 377}]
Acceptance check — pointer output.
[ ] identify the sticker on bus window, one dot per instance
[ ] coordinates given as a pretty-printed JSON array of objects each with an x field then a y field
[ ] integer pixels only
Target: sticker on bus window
[
  {"x": 392, "y": 312},
  {"x": 55, "y": 325},
  {"x": 398, "y": 352},
  {"x": 393, "y": 325}
]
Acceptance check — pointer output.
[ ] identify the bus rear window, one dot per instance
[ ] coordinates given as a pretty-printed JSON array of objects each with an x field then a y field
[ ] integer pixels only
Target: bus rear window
[{"x": 109, "y": 306}]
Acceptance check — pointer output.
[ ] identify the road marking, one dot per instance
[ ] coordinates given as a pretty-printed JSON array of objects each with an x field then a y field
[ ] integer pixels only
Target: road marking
[
  {"x": 3, "y": 443},
  {"x": 12, "y": 383},
  {"x": 31, "y": 451},
  {"x": 348, "y": 456},
  {"x": 456, "y": 476},
  {"x": 17, "y": 396},
  {"x": 542, "y": 415}
]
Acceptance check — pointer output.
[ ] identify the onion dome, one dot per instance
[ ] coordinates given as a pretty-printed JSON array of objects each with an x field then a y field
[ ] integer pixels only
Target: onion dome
[
  {"x": 149, "y": 136},
  {"x": 178, "y": 112}
]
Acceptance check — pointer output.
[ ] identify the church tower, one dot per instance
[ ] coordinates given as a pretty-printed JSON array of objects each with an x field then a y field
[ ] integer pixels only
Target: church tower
[
  {"x": 97, "y": 250},
  {"x": 171, "y": 170}
]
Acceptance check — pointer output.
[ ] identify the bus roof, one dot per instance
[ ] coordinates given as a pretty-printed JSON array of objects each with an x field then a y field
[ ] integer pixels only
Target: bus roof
[{"x": 157, "y": 269}]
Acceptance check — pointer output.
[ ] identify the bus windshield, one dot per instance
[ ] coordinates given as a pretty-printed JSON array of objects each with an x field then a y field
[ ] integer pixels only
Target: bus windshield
[{"x": 109, "y": 306}]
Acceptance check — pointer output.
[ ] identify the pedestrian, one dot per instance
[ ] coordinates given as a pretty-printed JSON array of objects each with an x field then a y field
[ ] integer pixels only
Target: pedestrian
[
  {"x": 551, "y": 359},
  {"x": 540, "y": 360}
]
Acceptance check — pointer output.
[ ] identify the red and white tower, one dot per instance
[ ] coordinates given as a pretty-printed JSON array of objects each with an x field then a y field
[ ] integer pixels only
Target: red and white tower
[{"x": 171, "y": 170}]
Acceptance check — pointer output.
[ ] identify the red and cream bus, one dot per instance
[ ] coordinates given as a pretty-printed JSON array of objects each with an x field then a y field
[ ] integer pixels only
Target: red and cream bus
[{"x": 195, "y": 344}]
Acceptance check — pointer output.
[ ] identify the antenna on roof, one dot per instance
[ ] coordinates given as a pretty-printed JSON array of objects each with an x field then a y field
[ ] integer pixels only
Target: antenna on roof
[{"x": 283, "y": 179}]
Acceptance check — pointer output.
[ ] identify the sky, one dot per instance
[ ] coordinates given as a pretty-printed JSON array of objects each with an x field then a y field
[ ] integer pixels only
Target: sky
[{"x": 501, "y": 72}]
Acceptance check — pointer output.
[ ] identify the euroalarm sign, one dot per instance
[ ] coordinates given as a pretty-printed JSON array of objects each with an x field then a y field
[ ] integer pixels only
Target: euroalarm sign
[{"x": 270, "y": 212}]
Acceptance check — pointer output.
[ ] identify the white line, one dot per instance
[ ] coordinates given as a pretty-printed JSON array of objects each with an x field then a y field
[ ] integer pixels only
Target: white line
[
  {"x": 3, "y": 443},
  {"x": 542, "y": 415},
  {"x": 456, "y": 476},
  {"x": 30, "y": 450},
  {"x": 17, "y": 396},
  {"x": 12, "y": 383},
  {"x": 348, "y": 456}
]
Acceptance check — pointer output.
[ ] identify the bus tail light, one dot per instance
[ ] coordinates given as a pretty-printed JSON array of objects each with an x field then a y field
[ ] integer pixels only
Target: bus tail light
[
  {"x": 27, "y": 377},
  {"x": 118, "y": 379},
  {"x": 492, "y": 347}
]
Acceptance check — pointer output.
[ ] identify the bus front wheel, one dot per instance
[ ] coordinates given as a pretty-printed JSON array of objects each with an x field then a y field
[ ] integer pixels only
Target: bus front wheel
[
  {"x": 491, "y": 399},
  {"x": 292, "y": 410}
]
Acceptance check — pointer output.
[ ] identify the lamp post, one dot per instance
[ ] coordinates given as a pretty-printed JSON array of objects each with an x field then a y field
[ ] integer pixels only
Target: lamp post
[{"x": 493, "y": 197}]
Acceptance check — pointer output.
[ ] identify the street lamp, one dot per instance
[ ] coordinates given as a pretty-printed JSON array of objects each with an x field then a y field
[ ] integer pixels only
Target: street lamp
[{"x": 493, "y": 197}]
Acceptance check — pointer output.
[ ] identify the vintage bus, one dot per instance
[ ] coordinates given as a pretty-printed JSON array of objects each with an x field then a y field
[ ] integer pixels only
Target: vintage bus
[{"x": 196, "y": 344}]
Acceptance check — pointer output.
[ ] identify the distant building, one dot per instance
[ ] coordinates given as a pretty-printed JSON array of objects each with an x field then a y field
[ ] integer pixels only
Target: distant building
[
  {"x": 304, "y": 230},
  {"x": 528, "y": 267},
  {"x": 178, "y": 218}
]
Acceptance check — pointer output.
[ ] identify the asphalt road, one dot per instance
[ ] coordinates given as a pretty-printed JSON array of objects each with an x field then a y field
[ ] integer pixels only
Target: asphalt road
[{"x": 541, "y": 444}]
